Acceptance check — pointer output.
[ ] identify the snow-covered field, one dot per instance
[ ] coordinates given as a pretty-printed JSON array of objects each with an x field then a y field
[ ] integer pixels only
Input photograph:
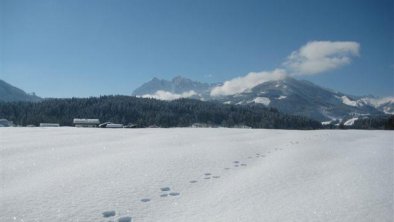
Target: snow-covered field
[{"x": 76, "y": 174}]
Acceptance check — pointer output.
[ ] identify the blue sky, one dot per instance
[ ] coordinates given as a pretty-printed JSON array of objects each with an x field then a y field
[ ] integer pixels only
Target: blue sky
[{"x": 90, "y": 48}]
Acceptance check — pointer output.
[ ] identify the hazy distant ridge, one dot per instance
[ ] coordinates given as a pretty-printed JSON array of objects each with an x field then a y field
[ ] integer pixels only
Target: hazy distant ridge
[{"x": 10, "y": 93}]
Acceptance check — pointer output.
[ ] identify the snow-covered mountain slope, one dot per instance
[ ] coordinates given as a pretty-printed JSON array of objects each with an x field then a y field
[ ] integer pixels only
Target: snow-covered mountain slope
[
  {"x": 300, "y": 97},
  {"x": 77, "y": 174},
  {"x": 385, "y": 105},
  {"x": 297, "y": 97},
  {"x": 9, "y": 93}
]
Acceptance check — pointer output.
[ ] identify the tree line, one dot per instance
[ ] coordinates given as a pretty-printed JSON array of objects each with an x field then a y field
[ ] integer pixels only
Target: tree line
[
  {"x": 374, "y": 122},
  {"x": 145, "y": 112}
]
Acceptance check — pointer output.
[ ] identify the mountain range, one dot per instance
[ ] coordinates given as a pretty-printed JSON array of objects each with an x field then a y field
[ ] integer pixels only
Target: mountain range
[
  {"x": 289, "y": 95},
  {"x": 177, "y": 85},
  {"x": 10, "y": 93}
]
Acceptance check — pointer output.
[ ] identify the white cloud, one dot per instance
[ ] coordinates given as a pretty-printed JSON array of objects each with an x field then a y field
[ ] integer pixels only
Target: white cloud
[
  {"x": 165, "y": 95},
  {"x": 313, "y": 58},
  {"x": 245, "y": 83},
  {"x": 320, "y": 56}
]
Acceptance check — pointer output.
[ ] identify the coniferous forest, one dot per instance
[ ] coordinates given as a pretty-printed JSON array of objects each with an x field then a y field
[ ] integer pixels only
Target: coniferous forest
[{"x": 147, "y": 112}]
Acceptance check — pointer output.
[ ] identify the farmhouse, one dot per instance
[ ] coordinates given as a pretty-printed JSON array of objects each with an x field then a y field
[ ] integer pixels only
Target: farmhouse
[{"x": 86, "y": 122}]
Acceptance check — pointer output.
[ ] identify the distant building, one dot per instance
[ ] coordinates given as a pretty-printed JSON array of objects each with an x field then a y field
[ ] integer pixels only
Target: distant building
[
  {"x": 86, "y": 122},
  {"x": 114, "y": 125},
  {"x": 49, "y": 124},
  {"x": 5, "y": 123}
]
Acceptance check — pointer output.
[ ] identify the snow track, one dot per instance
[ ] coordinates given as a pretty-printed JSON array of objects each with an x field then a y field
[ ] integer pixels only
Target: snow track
[{"x": 75, "y": 174}]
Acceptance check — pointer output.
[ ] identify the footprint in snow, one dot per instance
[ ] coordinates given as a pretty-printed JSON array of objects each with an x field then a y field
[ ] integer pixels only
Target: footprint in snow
[
  {"x": 193, "y": 181},
  {"x": 174, "y": 194},
  {"x": 109, "y": 213},
  {"x": 216, "y": 177},
  {"x": 226, "y": 168},
  {"x": 125, "y": 219},
  {"x": 244, "y": 164},
  {"x": 236, "y": 162},
  {"x": 207, "y": 178},
  {"x": 145, "y": 200},
  {"x": 207, "y": 174},
  {"x": 165, "y": 189},
  {"x": 236, "y": 165}
]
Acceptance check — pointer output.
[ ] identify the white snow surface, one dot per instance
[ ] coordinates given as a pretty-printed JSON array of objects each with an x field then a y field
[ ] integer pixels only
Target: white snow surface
[
  {"x": 76, "y": 174},
  {"x": 350, "y": 122},
  {"x": 262, "y": 100},
  {"x": 386, "y": 103},
  {"x": 376, "y": 102},
  {"x": 347, "y": 101},
  {"x": 326, "y": 123}
]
